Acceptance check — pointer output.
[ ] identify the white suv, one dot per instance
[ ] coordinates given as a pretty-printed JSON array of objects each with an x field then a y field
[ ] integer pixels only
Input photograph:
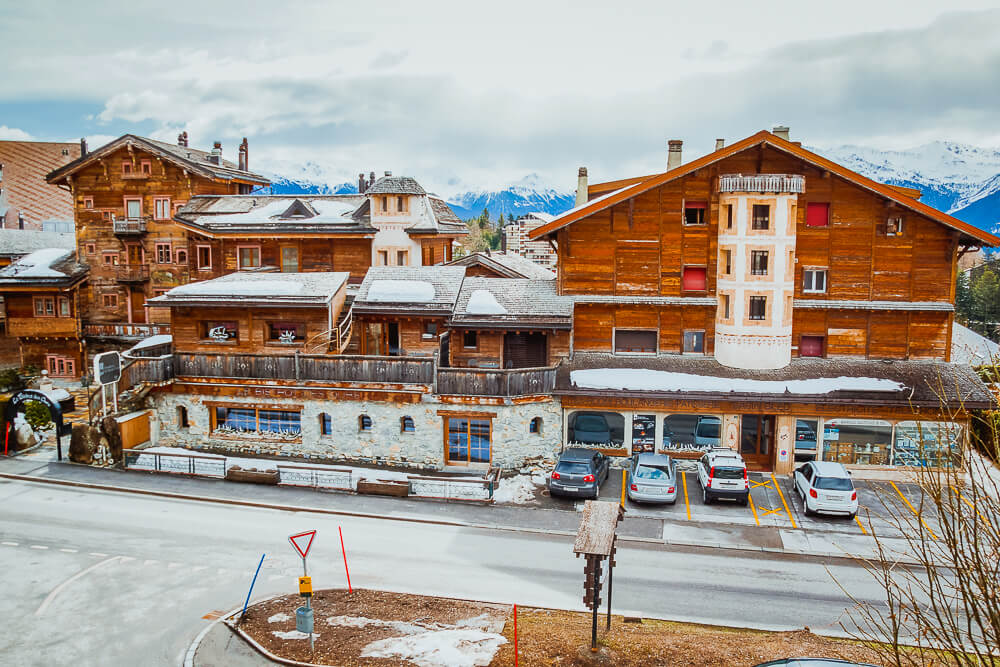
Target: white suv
[
  {"x": 722, "y": 473},
  {"x": 826, "y": 487}
]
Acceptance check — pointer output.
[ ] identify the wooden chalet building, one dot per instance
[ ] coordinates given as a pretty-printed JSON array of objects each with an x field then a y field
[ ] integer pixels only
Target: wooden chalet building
[
  {"x": 764, "y": 298},
  {"x": 42, "y": 295},
  {"x": 125, "y": 194}
]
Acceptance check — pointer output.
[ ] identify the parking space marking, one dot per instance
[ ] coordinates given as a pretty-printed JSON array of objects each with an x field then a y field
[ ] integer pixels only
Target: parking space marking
[
  {"x": 971, "y": 506},
  {"x": 780, "y": 493},
  {"x": 774, "y": 511},
  {"x": 913, "y": 509},
  {"x": 863, "y": 531},
  {"x": 754, "y": 485},
  {"x": 687, "y": 504},
  {"x": 753, "y": 508}
]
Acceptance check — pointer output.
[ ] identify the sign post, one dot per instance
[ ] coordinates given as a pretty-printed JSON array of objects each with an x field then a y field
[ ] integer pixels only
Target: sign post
[
  {"x": 108, "y": 370},
  {"x": 301, "y": 542}
]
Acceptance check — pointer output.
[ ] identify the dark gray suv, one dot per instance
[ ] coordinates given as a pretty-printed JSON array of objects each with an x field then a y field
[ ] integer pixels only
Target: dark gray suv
[{"x": 579, "y": 472}]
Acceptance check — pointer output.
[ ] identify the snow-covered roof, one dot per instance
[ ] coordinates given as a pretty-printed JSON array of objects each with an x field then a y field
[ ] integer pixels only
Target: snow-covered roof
[
  {"x": 400, "y": 291},
  {"x": 406, "y": 185},
  {"x": 19, "y": 242},
  {"x": 48, "y": 266},
  {"x": 968, "y": 347},
  {"x": 274, "y": 214},
  {"x": 643, "y": 379},
  {"x": 153, "y": 341},
  {"x": 507, "y": 264},
  {"x": 411, "y": 288},
  {"x": 264, "y": 289},
  {"x": 501, "y": 302}
]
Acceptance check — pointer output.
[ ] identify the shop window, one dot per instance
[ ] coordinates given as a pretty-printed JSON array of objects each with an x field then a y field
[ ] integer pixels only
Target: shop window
[
  {"x": 806, "y": 439},
  {"x": 468, "y": 440},
  {"x": 596, "y": 428},
  {"x": 220, "y": 332},
  {"x": 64, "y": 307},
  {"x": 204, "y": 257},
  {"x": 249, "y": 257},
  {"x": 761, "y": 218},
  {"x": 635, "y": 341},
  {"x": 161, "y": 208},
  {"x": 469, "y": 340},
  {"x": 325, "y": 424},
  {"x": 817, "y": 214},
  {"x": 643, "y": 433},
  {"x": 535, "y": 426},
  {"x": 758, "y": 262},
  {"x": 856, "y": 441},
  {"x": 45, "y": 306},
  {"x": 181, "y": 256},
  {"x": 691, "y": 433},
  {"x": 286, "y": 332},
  {"x": 694, "y": 342},
  {"x": 364, "y": 423},
  {"x": 811, "y": 346},
  {"x": 406, "y": 425},
  {"x": 694, "y": 279},
  {"x": 254, "y": 420},
  {"x": 182, "y": 416},
  {"x": 814, "y": 281},
  {"x": 694, "y": 212},
  {"x": 758, "y": 308},
  {"x": 928, "y": 444},
  {"x": 163, "y": 254}
]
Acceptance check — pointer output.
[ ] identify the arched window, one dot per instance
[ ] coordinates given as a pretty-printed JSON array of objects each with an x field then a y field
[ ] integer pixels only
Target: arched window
[
  {"x": 182, "y": 416},
  {"x": 325, "y": 424},
  {"x": 535, "y": 426},
  {"x": 364, "y": 423},
  {"x": 406, "y": 425}
]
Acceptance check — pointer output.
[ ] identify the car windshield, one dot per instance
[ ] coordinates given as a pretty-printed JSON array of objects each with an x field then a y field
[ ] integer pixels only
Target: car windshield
[
  {"x": 833, "y": 483},
  {"x": 653, "y": 472},
  {"x": 728, "y": 473},
  {"x": 708, "y": 429},
  {"x": 573, "y": 468},
  {"x": 590, "y": 423}
]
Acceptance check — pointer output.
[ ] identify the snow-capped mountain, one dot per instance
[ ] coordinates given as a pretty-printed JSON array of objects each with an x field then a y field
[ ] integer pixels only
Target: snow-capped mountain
[
  {"x": 309, "y": 178},
  {"x": 524, "y": 196}
]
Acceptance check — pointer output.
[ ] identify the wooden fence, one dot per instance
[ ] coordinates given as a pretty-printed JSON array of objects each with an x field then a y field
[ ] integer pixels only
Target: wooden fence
[
  {"x": 346, "y": 368},
  {"x": 488, "y": 382}
]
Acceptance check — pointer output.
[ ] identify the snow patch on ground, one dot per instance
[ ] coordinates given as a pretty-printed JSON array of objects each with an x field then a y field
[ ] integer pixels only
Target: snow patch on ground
[
  {"x": 516, "y": 490},
  {"x": 455, "y": 648},
  {"x": 482, "y": 302},
  {"x": 292, "y": 634},
  {"x": 279, "y": 617},
  {"x": 641, "y": 379}
]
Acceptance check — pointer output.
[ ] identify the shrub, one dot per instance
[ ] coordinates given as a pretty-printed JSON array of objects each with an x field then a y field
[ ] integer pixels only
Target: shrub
[{"x": 37, "y": 415}]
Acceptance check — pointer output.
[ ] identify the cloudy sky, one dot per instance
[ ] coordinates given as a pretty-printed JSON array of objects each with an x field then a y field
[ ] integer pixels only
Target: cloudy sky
[{"x": 472, "y": 94}]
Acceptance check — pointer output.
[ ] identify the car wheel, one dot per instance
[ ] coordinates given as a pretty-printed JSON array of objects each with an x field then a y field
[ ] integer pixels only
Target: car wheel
[
  {"x": 745, "y": 501},
  {"x": 809, "y": 512},
  {"x": 705, "y": 498},
  {"x": 597, "y": 491},
  {"x": 851, "y": 517}
]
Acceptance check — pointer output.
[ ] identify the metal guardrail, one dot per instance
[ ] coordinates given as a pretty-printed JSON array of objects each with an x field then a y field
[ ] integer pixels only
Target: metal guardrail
[
  {"x": 762, "y": 183},
  {"x": 316, "y": 478},
  {"x": 178, "y": 464}
]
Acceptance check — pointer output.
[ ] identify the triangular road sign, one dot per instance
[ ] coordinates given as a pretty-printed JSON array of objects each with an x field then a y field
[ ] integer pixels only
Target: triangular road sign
[{"x": 302, "y": 541}]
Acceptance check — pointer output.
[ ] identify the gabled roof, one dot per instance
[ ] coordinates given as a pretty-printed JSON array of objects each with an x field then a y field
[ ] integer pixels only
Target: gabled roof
[
  {"x": 259, "y": 289},
  {"x": 763, "y": 137},
  {"x": 192, "y": 159},
  {"x": 395, "y": 185},
  {"x": 20, "y": 242},
  {"x": 274, "y": 215},
  {"x": 502, "y": 302},
  {"x": 507, "y": 264},
  {"x": 420, "y": 289},
  {"x": 48, "y": 267}
]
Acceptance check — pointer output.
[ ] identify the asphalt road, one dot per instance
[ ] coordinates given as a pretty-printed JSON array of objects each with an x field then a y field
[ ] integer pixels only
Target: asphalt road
[{"x": 97, "y": 577}]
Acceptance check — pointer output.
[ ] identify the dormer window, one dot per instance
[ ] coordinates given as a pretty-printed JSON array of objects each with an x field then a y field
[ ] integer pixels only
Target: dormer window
[{"x": 297, "y": 210}]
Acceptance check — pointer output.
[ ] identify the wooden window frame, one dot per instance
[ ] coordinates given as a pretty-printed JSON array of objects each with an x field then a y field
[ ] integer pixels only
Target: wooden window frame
[
  {"x": 204, "y": 326},
  {"x": 695, "y": 205},
  {"x": 402, "y": 258},
  {"x": 88, "y": 203},
  {"x": 64, "y": 301},
  {"x": 145, "y": 167},
  {"x": 385, "y": 204},
  {"x": 726, "y": 260},
  {"x": 325, "y": 423},
  {"x": 52, "y": 364},
  {"x": 126, "y": 200},
  {"x": 426, "y": 334},
  {"x": 198, "y": 249},
  {"x": 755, "y": 270},
  {"x": 177, "y": 256},
  {"x": 753, "y": 218},
  {"x": 469, "y": 418},
  {"x": 46, "y": 302},
  {"x": 729, "y": 216},
  {"x": 257, "y": 409},
  {"x": 157, "y": 201},
  {"x": 465, "y": 333},
  {"x": 109, "y": 300},
  {"x": 169, "y": 252},
  {"x": 270, "y": 340},
  {"x": 239, "y": 257},
  {"x": 535, "y": 426},
  {"x": 110, "y": 258},
  {"x": 127, "y": 168},
  {"x": 815, "y": 270},
  {"x": 281, "y": 258},
  {"x": 381, "y": 258},
  {"x": 91, "y": 248},
  {"x": 400, "y": 205},
  {"x": 704, "y": 341},
  {"x": 618, "y": 353}
]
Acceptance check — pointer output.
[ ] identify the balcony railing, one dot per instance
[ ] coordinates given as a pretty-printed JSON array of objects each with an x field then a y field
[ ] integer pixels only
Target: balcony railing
[
  {"x": 788, "y": 183},
  {"x": 124, "y": 330},
  {"x": 390, "y": 370},
  {"x": 488, "y": 382},
  {"x": 129, "y": 226},
  {"x": 132, "y": 273},
  {"x": 41, "y": 326}
]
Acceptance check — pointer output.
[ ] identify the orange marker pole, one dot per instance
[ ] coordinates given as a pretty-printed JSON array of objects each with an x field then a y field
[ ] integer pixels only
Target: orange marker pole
[
  {"x": 344, "y": 551},
  {"x": 515, "y": 635}
]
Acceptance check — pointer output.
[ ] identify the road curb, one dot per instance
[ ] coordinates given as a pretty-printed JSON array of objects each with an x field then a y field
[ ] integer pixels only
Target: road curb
[{"x": 409, "y": 519}]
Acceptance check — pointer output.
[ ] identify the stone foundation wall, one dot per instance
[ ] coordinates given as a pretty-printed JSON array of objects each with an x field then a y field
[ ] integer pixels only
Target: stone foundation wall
[{"x": 512, "y": 443}]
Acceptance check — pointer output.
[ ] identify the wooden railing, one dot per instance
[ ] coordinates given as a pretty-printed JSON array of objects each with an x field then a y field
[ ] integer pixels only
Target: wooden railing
[
  {"x": 762, "y": 183},
  {"x": 342, "y": 335},
  {"x": 131, "y": 273},
  {"x": 130, "y": 225},
  {"x": 486, "y": 382},
  {"x": 124, "y": 330},
  {"x": 152, "y": 370},
  {"x": 41, "y": 326},
  {"x": 346, "y": 368}
]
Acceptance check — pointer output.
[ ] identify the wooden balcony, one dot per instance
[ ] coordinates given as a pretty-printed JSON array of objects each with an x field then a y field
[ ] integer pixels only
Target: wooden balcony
[
  {"x": 124, "y": 330},
  {"x": 303, "y": 367},
  {"x": 488, "y": 382},
  {"x": 25, "y": 327},
  {"x": 130, "y": 226},
  {"x": 779, "y": 183},
  {"x": 132, "y": 273}
]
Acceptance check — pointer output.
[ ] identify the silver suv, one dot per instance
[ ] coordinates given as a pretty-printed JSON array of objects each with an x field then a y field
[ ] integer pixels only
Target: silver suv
[{"x": 722, "y": 473}]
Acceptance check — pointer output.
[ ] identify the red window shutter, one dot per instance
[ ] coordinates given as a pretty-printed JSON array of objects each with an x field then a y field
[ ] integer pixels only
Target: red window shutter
[
  {"x": 817, "y": 215},
  {"x": 811, "y": 346},
  {"x": 694, "y": 279},
  {"x": 696, "y": 204}
]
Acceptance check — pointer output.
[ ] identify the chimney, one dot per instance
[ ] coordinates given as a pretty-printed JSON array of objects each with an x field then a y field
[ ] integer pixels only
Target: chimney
[
  {"x": 780, "y": 131},
  {"x": 182, "y": 139},
  {"x": 244, "y": 155},
  {"x": 582, "y": 195},
  {"x": 388, "y": 173},
  {"x": 674, "y": 153},
  {"x": 720, "y": 144},
  {"x": 216, "y": 154},
  {"x": 83, "y": 147},
  {"x": 371, "y": 179},
  {"x": 362, "y": 185}
]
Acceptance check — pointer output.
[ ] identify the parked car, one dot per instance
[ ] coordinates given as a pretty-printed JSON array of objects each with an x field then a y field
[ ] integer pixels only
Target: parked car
[
  {"x": 826, "y": 487},
  {"x": 652, "y": 478},
  {"x": 579, "y": 472},
  {"x": 813, "y": 662},
  {"x": 722, "y": 473},
  {"x": 805, "y": 436},
  {"x": 591, "y": 428},
  {"x": 707, "y": 432}
]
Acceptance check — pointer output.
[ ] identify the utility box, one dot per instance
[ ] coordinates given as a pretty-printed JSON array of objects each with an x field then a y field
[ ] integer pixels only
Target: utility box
[{"x": 304, "y": 620}]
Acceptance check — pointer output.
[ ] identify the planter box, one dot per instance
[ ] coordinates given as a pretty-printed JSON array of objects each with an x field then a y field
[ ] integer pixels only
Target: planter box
[
  {"x": 237, "y": 474},
  {"x": 398, "y": 489}
]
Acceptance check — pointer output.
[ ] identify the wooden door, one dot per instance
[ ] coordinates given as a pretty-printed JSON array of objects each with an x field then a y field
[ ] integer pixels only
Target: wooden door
[
  {"x": 134, "y": 254},
  {"x": 138, "y": 307},
  {"x": 757, "y": 440},
  {"x": 134, "y": 431}
]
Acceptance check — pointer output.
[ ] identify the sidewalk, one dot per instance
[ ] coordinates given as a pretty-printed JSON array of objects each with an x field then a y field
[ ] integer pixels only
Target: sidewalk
[{"x": 668, "y": 528}]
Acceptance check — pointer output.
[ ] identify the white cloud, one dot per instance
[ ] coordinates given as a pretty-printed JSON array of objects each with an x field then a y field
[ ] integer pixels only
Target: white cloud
[{"x": 14, "y": 134}]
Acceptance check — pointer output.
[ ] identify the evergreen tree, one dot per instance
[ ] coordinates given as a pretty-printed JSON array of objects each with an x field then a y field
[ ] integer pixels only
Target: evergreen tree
[
  {"x": 963, "y": 297},
  {"x": 985, "y": 297}
]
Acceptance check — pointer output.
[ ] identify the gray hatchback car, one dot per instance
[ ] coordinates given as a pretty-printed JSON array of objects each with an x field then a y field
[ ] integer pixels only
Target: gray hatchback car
[
  {"x": 579, "y": 472},
  {"x": 652, "y": 478}
]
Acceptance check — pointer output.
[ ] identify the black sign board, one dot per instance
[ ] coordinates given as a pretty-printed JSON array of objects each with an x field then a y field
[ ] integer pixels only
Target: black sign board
[
  {"x": 55, "y": 411},
  {"x": 108, "y": 367}
]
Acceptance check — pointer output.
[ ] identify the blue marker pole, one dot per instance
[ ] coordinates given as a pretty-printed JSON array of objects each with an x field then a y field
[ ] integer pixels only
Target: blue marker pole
[{"x": 250, "y": 592}]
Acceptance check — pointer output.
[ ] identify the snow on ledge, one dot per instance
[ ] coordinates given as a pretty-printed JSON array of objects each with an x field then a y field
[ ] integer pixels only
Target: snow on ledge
[
  {"x": 641, "y": 379},
  {"x": 482, "y": 302},
  {"x": 400, "y": 291},
  {"x": 152, "y": 341}
]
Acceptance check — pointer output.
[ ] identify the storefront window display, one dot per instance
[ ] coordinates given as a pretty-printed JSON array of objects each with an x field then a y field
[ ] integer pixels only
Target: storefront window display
[
  {"x": 691, "y": 433},
  {"x": 594, "y": 428},
  {"x": 806, "y": 439},
  {"x": 643, "y": 433},
  {"x": 927, "y": 444},
  {"x": 857, "y": 441}
]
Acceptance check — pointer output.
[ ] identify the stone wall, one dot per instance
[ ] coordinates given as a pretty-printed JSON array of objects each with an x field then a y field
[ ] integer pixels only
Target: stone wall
[{"x": 512, "y": 444}]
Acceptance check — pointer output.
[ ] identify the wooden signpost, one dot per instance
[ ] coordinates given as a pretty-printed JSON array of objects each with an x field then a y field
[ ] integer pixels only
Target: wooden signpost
[{"x": 595, "y": 540}]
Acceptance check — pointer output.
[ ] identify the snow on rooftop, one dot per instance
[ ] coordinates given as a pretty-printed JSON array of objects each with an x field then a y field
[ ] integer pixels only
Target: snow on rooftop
[
  {"x": 968, "y": 347},
  {"x": 641, "y": 379},
  {"x": 482, "y": 302},
  {"x": 153, "y": 341},
  {"x": 233, "y": 288},
  {"x": 39, "y": 264},
  {"x": 401, "y": 291}
]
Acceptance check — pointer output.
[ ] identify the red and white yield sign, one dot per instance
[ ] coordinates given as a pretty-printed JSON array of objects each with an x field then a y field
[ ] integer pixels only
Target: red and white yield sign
[{"x": 302, "y": 541}]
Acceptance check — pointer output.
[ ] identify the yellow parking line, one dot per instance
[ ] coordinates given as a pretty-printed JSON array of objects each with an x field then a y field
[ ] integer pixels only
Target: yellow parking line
[
  {"x": 754, "y": 485},
  {"x": 753, "y": 509},
  {"x": 913, "y": 509},
  {"x": 687, "y": 504},
  {"x": 774, "y": 511},
  {"x": 624, "y": 482},
  {"x": 966, "y": 501},
  {"x": 865, "y": 532},
  {"x": 778, "y": 487}
]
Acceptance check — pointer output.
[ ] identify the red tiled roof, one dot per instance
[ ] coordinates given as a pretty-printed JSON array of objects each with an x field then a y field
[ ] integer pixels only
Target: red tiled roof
[{"x": 25, "y": 165}]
